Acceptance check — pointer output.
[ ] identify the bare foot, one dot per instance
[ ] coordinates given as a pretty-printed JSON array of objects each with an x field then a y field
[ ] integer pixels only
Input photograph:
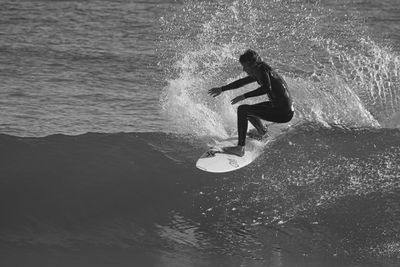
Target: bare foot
[{"x": 234, "y": 150}]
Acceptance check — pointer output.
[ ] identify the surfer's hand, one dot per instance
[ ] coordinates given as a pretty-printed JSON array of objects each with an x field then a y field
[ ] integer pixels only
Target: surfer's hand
[
  {"x": 237, "y": 99},
  {"x": 216, "y": 91}
]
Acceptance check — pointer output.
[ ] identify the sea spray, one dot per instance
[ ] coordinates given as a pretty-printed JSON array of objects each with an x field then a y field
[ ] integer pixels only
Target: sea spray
[
  {"x": 335, "y": 74},
  {"x": 373, "y": 73},
  {"x": 201, "y": 50}
]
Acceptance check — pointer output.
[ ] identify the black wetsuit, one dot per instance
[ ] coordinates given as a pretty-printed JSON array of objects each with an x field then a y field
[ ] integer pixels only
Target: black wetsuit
[{"x": 279, "y": 107}]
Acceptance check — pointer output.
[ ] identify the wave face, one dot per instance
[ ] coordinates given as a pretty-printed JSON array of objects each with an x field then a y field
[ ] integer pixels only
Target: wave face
[{"x": 319, "y": 195}]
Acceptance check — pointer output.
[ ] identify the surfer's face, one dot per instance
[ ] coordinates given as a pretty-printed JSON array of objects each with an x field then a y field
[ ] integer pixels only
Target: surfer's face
[{"x": 248, "y": 67}]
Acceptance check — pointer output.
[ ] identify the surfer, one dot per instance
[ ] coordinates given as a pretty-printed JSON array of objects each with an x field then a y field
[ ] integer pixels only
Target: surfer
[{"x": 278, "y": 109}]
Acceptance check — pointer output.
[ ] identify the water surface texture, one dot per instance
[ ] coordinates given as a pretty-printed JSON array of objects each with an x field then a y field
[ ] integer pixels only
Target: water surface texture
[{"x": 104, "y": 111}]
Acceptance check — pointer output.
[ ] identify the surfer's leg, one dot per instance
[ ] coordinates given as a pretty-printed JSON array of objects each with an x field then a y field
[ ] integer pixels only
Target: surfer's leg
[
  {"x": 267, "y": 112},
  {"x": 242, "y": 130},
  {"x": 256, "y": 122},
  {"x": 253, "y": 115},
  {"x": 242, "y": 124},
  {"x": 264, "y": 111},
  {"x": 250, "y": 113}
]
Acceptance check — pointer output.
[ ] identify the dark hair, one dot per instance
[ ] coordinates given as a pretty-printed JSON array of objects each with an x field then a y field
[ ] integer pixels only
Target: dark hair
[{"x": 249, "y": 56}]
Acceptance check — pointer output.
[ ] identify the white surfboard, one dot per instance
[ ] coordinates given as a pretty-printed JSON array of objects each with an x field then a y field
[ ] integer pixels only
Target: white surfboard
[{"x": 215, "y": 160}]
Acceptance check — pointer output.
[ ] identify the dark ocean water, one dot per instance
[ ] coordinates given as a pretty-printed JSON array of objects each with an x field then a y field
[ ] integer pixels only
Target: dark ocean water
[
  {"x": 320, "y": 197},
  {"x": 104, "y": 111}
]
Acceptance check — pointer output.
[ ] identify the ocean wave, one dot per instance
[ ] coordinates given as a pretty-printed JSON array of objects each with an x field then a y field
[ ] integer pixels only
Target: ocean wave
[{"x": 130, "y": 189}]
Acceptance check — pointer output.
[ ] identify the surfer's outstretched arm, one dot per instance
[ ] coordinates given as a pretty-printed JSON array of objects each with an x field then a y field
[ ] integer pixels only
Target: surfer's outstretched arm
[
  {"x": 238, "y": 83},
  {"x": 234, "y": 85},
  {"x": 262, "y": 90}
]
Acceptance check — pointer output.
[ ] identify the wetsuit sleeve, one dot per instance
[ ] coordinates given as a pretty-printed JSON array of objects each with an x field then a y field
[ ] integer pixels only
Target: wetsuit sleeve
[
  {"x": 263, "y": 89},
  {"x": 238, "y": 83}
]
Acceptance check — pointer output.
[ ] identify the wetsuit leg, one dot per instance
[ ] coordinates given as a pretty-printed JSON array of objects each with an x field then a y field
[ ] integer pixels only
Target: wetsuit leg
[
  {"x": 264, "y": 111},
  {"x": 256, "y": 123}
]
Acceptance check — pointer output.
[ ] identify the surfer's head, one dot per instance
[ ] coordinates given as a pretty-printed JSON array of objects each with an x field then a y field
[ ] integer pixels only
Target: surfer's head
[
  {"x": 248, "y": 60},
  {"x": 249, "y": 57}
]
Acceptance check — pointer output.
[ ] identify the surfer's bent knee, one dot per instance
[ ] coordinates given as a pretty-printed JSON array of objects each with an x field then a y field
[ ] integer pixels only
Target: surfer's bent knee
[{"x": 243, "y": 108}]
